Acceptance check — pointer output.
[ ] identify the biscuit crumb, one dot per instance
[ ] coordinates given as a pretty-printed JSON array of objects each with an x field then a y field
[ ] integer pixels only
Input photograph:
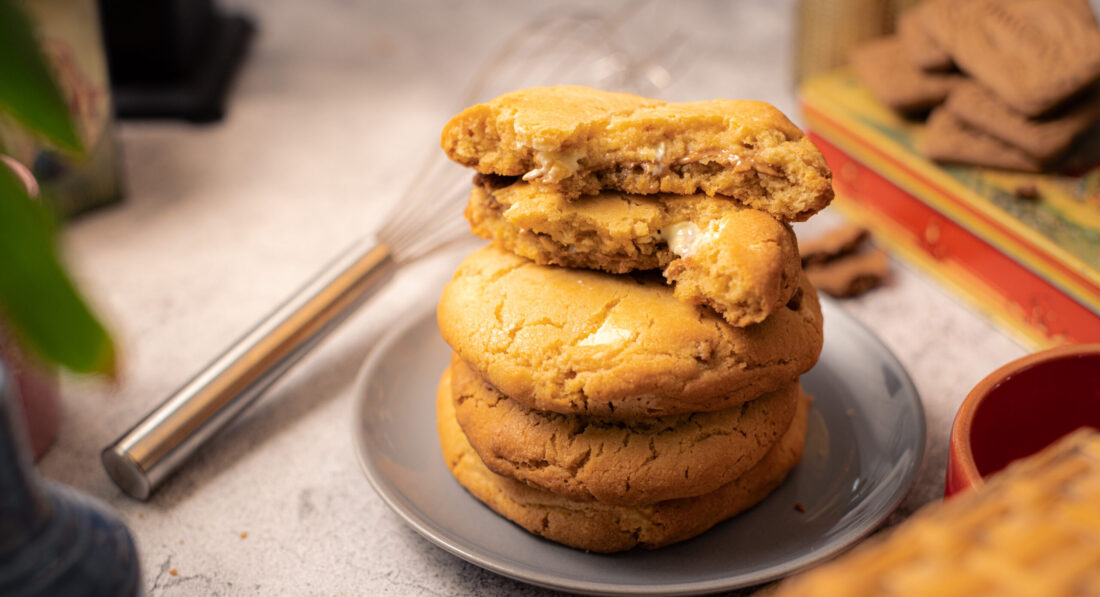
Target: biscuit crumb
[
  {"x": 174, "y": 572},
  {"x": 800, "y": 507},
  {"x": 851, "y": 275},
  {"x": 244, "y": 535},
  {"x": 1027, "y": 191},
  {"x": 838, "y": 242},
  {"x": 837, "y": 264}
]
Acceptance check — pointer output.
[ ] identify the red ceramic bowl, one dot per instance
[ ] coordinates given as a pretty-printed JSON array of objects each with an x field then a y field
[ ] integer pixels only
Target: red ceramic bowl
[{"x": 1022, "y": 408}]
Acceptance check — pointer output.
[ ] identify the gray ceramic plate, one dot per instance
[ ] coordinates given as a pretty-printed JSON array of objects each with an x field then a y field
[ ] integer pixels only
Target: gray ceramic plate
[{"x": 863, "y": 446}]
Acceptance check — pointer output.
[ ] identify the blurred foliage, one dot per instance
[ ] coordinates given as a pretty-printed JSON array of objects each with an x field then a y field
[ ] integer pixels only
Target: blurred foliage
[
  {"x": 38, "y": 301},
  {"x": 29, "y": 93}
]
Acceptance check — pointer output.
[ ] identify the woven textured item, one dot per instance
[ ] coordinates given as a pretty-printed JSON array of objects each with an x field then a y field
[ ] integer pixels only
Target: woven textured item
[{"x": 1032, "y": 530}]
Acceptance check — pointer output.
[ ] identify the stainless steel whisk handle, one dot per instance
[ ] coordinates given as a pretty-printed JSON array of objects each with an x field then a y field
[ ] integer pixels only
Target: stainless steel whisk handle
[{"x": 149, "y": 452}]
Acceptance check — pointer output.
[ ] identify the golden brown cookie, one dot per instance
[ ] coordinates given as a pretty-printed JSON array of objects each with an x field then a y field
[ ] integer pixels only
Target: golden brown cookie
[
  {"x": 739, "y": 261},
  {"x": 605, "y": 528},
  {"x": 586, "y": 342},
  {"x": 641, "y": 461},
  {"x": 581, "y": 141}
]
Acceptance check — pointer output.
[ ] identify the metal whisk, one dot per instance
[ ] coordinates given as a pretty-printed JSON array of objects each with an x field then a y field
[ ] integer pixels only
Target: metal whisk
[{"x": 576, "y": 49}]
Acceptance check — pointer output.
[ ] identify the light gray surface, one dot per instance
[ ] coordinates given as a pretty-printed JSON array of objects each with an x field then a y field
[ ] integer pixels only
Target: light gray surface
[{"x": 337, "y": 103}]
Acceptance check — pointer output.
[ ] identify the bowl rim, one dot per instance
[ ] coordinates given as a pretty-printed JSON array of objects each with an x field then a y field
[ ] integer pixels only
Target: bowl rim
[{"x": 961, "y": 458}]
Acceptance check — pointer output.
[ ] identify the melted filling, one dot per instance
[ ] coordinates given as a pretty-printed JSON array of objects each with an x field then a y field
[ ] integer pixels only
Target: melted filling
[{"x": 556, "y": 166}]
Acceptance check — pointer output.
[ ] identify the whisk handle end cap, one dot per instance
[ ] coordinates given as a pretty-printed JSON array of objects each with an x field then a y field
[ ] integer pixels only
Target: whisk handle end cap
[{"x": 126, "y": 473}]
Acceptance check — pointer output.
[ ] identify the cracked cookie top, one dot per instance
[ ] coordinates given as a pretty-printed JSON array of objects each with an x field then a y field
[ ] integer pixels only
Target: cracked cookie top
[
  {"x": 635, "y": 462},
  {"x": 580, "y": 140},
  {"x": 623, "y": 347}
]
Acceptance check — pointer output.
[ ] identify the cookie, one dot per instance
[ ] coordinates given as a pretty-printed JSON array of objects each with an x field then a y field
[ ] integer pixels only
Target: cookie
[
  {"x": 921, "y": 48},
  {"x": 739, "y": 261},
  {"x": 1033, "y": 54},
  {"x": 1042, "y": 138},
  {"x": 606, "y": 528},
  {"x": 581, "y": 141},
  {"x": 634, "y": 462},
  {"x": 947, "y": 139},
  {"x": 883, "y": 67},
  {"x": 587, "y": 342}
]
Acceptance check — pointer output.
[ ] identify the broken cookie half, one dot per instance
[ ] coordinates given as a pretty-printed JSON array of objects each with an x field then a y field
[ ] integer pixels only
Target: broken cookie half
[
  {"x": 580, "y": 141},
  {"x": 739, "y": 261}
]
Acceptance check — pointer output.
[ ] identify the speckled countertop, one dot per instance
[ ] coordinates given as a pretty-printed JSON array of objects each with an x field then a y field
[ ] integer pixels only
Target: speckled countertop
[{"x": 336, "y": 105}]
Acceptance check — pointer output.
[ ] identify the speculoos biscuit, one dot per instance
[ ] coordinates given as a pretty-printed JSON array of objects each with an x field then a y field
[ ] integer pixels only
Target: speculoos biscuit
[
  {"x": 921, "y": 47},
  {"x": 948, "y": 139},
  {"x": 884, "y": 68},
  {"x": 1033, "y": 54},
  {"x": 1045, "y": 138}
]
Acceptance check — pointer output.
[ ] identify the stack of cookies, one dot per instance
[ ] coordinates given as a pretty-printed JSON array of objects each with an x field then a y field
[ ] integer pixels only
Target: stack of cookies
[
  {"x": 1011, "y": 83},
  {"x": 627, "y": 352}
]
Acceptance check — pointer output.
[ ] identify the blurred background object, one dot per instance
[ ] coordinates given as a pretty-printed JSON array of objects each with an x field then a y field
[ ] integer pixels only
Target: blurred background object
[
  {"x": 1020, "y": 409},
  {"x": 55, "y": 542},
  {"x": 69, "y": 35},
  {"x": 1031, "y": 531},
  {"x": 43, "y": 320},
  {"x": 173, "y": 58},
  {"x": 828, "y": 30},
  {"x": 997, "y": 196}
]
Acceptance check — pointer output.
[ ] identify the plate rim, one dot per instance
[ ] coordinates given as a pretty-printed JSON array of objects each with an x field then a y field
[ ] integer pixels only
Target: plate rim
[{"x": 847, "y": 539}]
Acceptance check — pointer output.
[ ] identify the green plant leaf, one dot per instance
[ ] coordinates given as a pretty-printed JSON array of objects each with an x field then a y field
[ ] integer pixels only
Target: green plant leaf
[
  {"x": 27, "y": 90},
  {"x": 38, "y": 301}
]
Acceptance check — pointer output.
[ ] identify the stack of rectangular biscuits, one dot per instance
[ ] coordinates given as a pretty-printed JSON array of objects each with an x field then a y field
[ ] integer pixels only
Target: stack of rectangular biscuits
[
  {"x": 1010, "y": 83},
  {"x": 627, "y": 352}
]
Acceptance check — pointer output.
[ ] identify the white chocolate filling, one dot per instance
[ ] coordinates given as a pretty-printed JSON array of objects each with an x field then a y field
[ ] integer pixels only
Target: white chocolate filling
[
  {"x": 681, "y": 238},
  {"x": 607, "y": 334},
  {"x": 685, "y": 238},
  {"x": 555, "y": 166}
]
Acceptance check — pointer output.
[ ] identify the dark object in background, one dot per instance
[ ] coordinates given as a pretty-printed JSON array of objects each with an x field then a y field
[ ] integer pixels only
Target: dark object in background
[
  {"x": 55, "y": 541},
  {"x": 69, "y": 36},
  {"x": 172, "y": 58}
]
